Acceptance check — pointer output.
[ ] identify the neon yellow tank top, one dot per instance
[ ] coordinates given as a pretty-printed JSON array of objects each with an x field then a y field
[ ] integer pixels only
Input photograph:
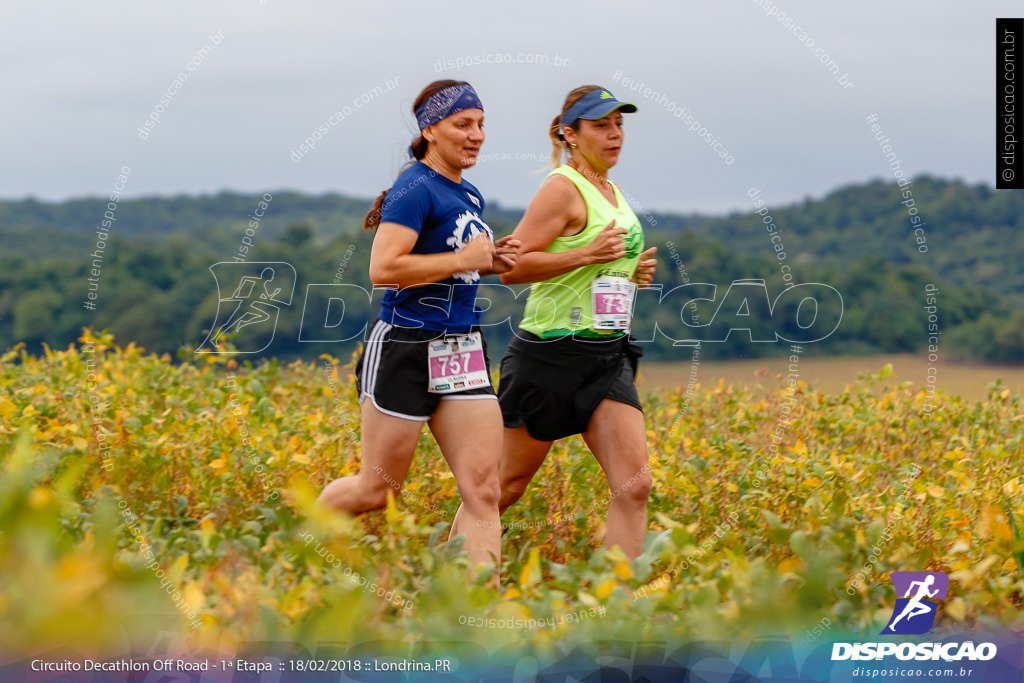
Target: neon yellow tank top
[{"x": 564, "y": 304}]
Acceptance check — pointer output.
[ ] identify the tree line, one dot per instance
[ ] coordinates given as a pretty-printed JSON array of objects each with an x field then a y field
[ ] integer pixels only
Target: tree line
[{"x": 156, "y": 286}]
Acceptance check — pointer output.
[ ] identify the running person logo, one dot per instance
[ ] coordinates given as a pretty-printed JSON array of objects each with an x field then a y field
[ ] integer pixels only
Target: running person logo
[
  {"x": 914, "y": 612},
  {"x": 260, "y": 290},
  {"x": 467, "y": 226}
]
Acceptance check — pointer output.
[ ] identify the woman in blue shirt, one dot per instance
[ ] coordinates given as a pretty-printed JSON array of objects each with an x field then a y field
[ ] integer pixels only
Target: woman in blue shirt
[{"x": 425, "y": 359}]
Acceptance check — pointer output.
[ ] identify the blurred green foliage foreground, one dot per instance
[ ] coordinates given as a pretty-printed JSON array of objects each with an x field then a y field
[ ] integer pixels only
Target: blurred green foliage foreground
[{"x": 140, "y": 496}]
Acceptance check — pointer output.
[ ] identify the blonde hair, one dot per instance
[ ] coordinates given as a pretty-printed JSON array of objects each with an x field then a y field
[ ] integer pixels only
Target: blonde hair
[{"x": 558, "y": 143}]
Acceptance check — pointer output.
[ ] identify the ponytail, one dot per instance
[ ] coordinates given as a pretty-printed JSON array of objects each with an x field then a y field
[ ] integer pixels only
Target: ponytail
[
  {"x": 558, "y": 143},
  {"x": 372, "y": 219}
]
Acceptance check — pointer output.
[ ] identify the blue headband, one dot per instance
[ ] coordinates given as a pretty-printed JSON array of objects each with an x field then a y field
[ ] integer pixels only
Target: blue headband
[{"x": 444, "y": 103}]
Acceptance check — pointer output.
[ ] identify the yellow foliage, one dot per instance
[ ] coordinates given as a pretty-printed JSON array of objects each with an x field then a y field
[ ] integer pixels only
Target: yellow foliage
[
  {"x": 623, "y": 570},
  {"x": 605, "y": 589},
  {"x": 992, "y": 523},
  {"x": 531, "y": 572},
  {"x": 237, "y": 527}
]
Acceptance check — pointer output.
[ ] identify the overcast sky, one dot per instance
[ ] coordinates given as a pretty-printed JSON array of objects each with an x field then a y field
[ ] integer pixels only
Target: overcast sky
[{"x": 81, "y": 78}]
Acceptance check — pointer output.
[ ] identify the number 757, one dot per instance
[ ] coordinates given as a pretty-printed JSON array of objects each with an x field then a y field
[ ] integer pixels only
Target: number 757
[{"x": 454, "y": 364}]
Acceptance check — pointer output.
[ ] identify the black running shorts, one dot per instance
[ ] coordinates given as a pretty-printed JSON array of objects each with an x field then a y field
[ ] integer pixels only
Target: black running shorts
[
  {"x": 552, "y": 387},
  {"x": 392, "y": 373}
]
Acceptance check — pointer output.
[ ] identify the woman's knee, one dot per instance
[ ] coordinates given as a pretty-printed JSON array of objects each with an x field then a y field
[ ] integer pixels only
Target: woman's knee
[
  {"x": 637, "y": 489},
  {"x": 511, "y": 491},
  {"x": 375, "y": 492},
  {"x": 481, "y": 490},
  {"x": 515, "y": 482}
]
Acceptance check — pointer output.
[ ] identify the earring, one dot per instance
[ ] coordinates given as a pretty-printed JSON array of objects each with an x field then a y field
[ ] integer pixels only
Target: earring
[
  {"x": 572, "y": 146},
  {"x": 433, "y": 139}
]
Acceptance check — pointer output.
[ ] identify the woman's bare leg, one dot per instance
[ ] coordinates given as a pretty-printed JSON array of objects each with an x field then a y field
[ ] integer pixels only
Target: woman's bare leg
[
  {"x": 388, "y": 445},
  {"x": 618, "y": 439},
  {"x": 469, "y": 434},
  {"x": 521, "y": 457}
]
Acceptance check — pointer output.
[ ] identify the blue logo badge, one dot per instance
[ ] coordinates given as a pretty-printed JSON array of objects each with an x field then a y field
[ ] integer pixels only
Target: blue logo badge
[{"x": 914, "y": 612}]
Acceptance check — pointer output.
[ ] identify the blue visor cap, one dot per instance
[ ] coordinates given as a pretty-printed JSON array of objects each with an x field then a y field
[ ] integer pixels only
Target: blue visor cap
[{"x": 596, "y": 104}]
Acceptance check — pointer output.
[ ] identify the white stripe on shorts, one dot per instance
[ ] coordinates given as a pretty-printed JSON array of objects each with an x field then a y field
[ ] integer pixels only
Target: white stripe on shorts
[
  {"x": 416, "y": 418},
  {"x": 374, "y": 346}
]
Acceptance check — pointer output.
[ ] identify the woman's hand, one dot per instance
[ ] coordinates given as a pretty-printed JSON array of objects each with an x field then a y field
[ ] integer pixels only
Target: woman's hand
[
  {"x": 506, "y": 251},
  {"x": 478, "y": 254},
  {"x": 609, "y": 245},
  {"x": 644, "y": 274}
]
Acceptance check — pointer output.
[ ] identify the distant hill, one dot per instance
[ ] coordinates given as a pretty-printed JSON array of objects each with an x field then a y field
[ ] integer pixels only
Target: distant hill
[
  {"x": 62, "y": 230},
  {"x": 156, "y": 287},
  {"x": 975, "y": 235}
]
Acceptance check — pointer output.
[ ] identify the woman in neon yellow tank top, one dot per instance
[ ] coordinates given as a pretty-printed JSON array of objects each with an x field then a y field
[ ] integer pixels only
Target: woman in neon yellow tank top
[{"x": 571, "y": 368}]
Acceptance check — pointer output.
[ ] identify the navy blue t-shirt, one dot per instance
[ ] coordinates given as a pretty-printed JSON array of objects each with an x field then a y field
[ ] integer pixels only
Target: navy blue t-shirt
[{"x": 446, "y": 215}]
